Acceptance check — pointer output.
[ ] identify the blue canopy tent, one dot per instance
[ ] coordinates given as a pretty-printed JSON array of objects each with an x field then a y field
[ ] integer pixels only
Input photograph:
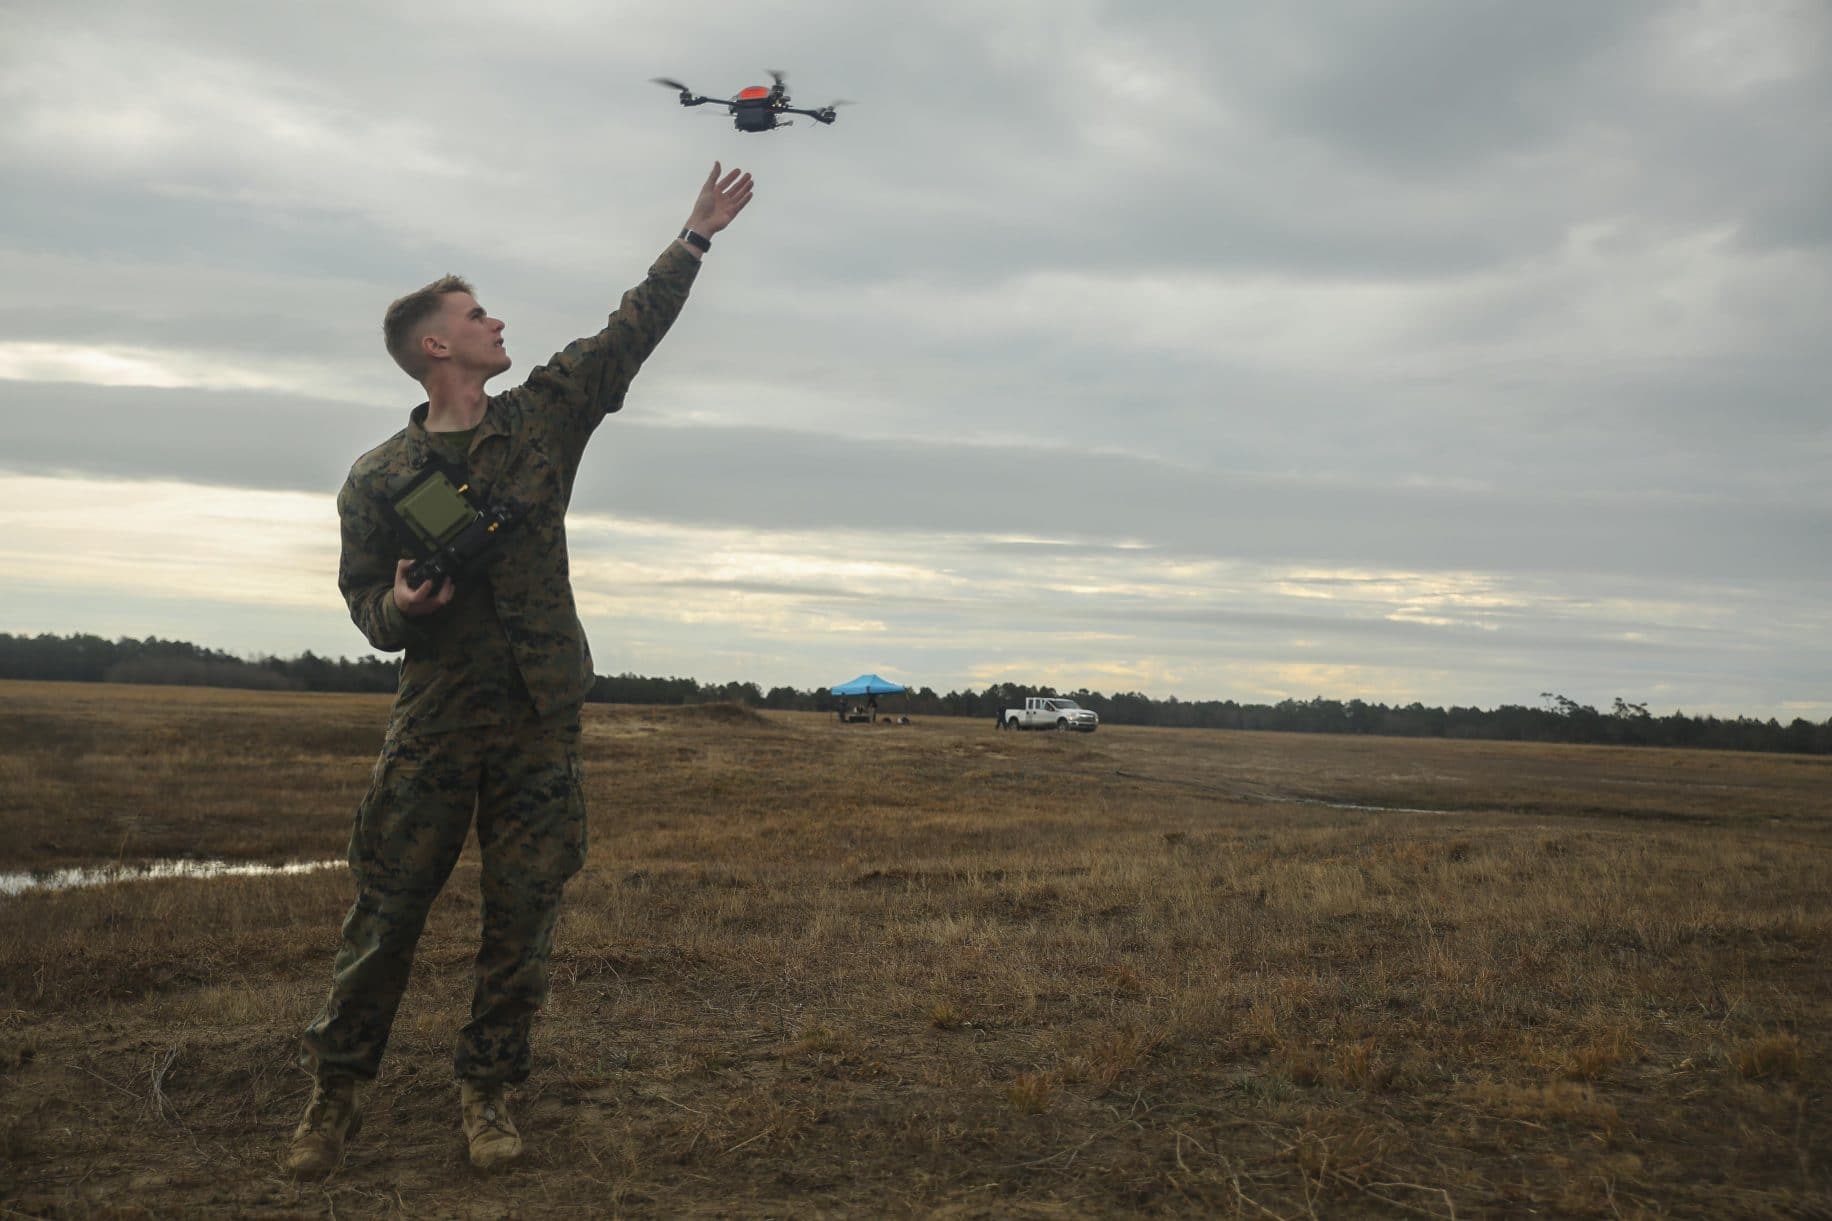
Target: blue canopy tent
[{"x": 869, "y": 686}]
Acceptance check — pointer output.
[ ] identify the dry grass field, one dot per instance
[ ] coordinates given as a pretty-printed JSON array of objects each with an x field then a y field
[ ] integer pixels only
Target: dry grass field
[{"x": 824, "y": 970}]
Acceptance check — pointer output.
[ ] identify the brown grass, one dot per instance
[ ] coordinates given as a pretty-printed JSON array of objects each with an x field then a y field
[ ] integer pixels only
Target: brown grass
[{"x": 814, "y": 969}]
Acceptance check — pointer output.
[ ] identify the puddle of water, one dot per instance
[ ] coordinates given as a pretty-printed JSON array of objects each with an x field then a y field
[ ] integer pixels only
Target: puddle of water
[{"x": 107, "y": 875}]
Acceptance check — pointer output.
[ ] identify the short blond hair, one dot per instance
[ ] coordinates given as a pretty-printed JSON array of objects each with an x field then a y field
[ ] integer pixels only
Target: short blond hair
[{"x": 401, "y": 325}]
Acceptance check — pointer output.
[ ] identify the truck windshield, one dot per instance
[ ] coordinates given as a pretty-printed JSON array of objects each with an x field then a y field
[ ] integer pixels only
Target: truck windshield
[{"x": 1065, "y": 705}]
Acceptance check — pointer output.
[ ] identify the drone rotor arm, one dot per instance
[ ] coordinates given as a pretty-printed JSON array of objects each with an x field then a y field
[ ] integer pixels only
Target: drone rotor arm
[
  {"x": 688, "y": 97},
  {"x": 824, "y": 115}
]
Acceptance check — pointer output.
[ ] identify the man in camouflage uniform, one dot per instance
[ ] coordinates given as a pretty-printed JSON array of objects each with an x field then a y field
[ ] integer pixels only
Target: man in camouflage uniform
[{"x": 486, "y": 719}]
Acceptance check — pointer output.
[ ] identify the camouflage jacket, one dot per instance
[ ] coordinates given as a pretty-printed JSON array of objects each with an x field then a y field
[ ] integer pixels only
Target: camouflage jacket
[{"x": 510, "y": 639}]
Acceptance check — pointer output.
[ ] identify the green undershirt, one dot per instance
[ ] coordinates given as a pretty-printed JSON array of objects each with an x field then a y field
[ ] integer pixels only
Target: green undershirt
[{"x": 454, "y": 446}]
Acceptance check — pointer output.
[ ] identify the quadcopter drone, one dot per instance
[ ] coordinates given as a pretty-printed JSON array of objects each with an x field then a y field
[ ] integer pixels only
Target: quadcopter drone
[{"x": 755, "y": 108}]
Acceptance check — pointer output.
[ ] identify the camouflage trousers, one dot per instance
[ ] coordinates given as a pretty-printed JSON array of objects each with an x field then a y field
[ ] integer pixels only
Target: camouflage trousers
[{"x": 523, "y": 782}]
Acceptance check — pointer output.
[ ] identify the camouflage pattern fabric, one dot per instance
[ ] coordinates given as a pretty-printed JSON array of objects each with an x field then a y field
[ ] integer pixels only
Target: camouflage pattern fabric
[
  {"x": 512, "y": 635},
  {"x": 525, "y": 785},
  {"x": 486, "y": 716}
]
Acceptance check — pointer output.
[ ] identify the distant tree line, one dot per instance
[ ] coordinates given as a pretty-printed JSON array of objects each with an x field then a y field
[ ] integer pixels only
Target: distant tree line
[
  {"x": 1555, "y": 719},
  {"x": 91, "y": 659}
]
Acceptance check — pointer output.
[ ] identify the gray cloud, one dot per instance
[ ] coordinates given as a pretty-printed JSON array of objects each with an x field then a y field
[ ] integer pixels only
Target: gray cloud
[{"x": 711, "y": 475}]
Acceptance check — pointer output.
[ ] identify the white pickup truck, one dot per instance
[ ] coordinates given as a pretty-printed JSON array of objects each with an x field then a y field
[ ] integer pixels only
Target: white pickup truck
[{"x": 1049, "y": 712}]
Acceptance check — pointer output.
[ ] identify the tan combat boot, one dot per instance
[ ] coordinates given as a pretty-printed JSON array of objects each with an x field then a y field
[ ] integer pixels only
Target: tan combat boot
[
  {"x": 487, "y": 1127},
  {"x": 330, "y": 1119}
]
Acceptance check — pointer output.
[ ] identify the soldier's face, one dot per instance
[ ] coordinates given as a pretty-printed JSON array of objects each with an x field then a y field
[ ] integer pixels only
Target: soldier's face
[{"x": 469, "y": 337}]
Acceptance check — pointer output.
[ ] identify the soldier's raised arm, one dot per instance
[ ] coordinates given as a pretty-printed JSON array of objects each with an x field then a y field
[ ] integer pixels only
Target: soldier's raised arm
[{"x": 590, "y": 377}]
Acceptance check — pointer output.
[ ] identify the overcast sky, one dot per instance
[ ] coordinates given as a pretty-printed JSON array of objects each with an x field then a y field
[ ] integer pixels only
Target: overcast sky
[{"x": 1450, "y": 351}]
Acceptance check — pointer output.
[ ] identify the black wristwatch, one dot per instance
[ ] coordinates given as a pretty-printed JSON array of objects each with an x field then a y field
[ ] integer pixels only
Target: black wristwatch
[{"x": 695, "y": 240}]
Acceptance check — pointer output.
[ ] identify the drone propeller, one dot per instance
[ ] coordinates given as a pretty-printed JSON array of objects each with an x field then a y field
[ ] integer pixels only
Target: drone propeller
[
  {"x": 777, "y": 75},
  {"x": 683, "y": 90}
]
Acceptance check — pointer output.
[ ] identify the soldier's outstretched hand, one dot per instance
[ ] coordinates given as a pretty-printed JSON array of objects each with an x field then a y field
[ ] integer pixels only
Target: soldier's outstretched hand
[
  {"x": 422, "y": 599},
  {"x": 720, "y": 201}
]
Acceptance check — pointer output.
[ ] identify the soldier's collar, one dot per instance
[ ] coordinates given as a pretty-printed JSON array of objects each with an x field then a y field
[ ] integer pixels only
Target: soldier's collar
[
  {"x": 492, "y": 423},
  {"x": 419, "y": 440}
]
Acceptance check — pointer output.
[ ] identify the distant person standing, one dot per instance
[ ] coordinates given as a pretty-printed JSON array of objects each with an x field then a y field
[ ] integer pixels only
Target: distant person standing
[{"x": 486, "y": 719}]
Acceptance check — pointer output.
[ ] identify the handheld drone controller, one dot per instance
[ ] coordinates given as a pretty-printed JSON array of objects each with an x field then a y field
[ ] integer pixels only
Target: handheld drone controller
[{"x": 451, "y": 533}]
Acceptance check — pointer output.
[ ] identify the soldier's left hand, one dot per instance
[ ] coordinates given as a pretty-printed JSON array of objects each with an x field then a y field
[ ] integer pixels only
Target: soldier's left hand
[
  {"x": 720, "y": 201},
  {"x": 428, "y": 597}
]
